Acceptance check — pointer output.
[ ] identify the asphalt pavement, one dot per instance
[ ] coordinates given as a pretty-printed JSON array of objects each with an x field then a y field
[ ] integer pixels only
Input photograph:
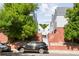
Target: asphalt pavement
[{"x": 35, "y": 54}]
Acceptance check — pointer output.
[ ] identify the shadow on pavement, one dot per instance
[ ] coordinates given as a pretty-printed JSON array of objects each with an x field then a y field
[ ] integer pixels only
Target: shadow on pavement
[
  {"x": 9, "y": 54},
  {"x": 20, "y": 54}
]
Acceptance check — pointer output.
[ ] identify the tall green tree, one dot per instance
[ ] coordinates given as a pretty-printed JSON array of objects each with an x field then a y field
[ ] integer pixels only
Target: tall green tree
[
  {"x": 72, "y": 28},
  {"x": 16, "y": 21}
]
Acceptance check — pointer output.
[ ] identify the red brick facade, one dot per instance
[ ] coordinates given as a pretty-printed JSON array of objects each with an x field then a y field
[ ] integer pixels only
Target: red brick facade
[
  {"x": 56, "y": 41},
  {"x": 64, "y": 47},
  {"x": 39, "y": 37},
  {"x": 58, "y": 36},
  {"x": 3, "y": 38}
]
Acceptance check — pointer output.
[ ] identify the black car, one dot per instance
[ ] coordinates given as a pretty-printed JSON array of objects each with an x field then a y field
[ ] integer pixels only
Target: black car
[
  {"x": 4, "y": 48},
  {"x": 33, "y": 46}
]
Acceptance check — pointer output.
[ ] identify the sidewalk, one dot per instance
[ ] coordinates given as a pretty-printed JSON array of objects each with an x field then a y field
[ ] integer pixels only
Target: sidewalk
[{"x": 63, "y": 52}]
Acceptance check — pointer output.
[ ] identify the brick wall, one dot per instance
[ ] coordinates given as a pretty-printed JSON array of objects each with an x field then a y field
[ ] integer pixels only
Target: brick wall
[
  {"x": 38, "y": 37},
  {"x": 3, "y": 38},
  {"x": 58, "y": 36},
  {"x": 56, "y": 41},
  {"x": 64, "y": 47}
]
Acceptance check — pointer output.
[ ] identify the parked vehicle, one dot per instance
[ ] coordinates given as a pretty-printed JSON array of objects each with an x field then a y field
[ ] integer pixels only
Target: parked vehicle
[
  {"x": 33, "y": 46},
  {"x": 4, "y": 48}
]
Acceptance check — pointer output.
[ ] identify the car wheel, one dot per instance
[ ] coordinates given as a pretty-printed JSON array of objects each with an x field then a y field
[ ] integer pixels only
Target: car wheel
[
  {"x": 41, "y": 51},
  {"x": 21, "y": 50}
]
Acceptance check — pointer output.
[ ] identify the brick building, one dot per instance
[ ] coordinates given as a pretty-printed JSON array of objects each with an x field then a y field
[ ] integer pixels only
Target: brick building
[{"x": 53, "y": 34}]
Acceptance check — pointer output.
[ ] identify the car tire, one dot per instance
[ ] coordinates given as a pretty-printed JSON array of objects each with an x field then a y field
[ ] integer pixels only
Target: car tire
[
  {"x": 41, "y": 51},
  {"x": 21, "y": 50}
]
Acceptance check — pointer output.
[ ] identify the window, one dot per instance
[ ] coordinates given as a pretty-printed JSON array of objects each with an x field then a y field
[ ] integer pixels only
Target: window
[
  {"x": 38, "y": 29},
  {"x": 55, "y": 31},
  {"x": 44, "y": 36}
]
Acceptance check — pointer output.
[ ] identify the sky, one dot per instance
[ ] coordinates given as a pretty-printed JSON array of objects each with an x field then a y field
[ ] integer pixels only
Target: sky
[
  {"x": 44, "y": 13},
  {"x": 63, "y": 4},
  {"x": 1, "y": 4}
]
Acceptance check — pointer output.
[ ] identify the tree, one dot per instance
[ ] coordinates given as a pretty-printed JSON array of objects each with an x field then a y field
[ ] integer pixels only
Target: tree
[
  {"x": 72, "y": 28},
  {"x": 16, "y": 21},
  {"x": 43, "y": 25}
]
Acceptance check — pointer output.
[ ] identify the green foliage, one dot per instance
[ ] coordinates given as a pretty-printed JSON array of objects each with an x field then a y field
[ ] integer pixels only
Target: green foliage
[
  {"x": 43, "y": 25},
  {"x": 72, "y": 28},
  {"x": 15, "y": 18}
]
